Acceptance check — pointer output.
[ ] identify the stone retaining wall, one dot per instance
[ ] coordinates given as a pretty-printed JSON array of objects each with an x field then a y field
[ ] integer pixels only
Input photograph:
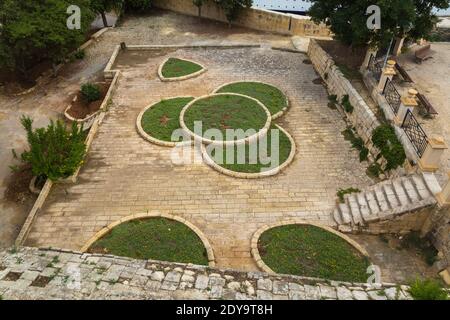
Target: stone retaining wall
[
  {"x": 257, "y": 19},
  {"x": 31, "y": 273},
  {"x": 362, "y": 117}
]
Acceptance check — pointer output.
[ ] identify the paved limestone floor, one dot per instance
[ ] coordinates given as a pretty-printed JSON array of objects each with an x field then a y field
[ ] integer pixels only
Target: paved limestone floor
[
  {"x": 53, "y": 94},
  {"x": 432, "y": 79},
  {"x": 124, "y": 174}
]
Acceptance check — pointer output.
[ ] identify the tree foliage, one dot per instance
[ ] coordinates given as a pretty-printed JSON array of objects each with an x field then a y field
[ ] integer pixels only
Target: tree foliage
[
  {"x": 54, "y": 152},
  {"x": 232, "y": 8},
  {"x": 31, "y": 31},
  {"x": 347, "y": 19},
  {"x": 103, "y": 6}
]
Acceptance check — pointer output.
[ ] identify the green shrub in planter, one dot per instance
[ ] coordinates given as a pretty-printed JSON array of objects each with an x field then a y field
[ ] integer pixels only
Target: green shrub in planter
[
  {"x": 427, "y": 290},
  {"x": 90, "y": 92},
  {"x": 54, "y": 152},
  {"x": 386, "y": 141}
]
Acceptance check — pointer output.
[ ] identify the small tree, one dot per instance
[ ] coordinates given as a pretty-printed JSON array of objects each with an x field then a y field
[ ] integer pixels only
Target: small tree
[
  {"x": 347, "y": 19},
  {"x": 90, "y": 92},
  {"x": 54, "y": 152},
  {"x": 103, "y": 6},
  {"x": 198, "y": 4},
  {"x": 232, "y": 8}
]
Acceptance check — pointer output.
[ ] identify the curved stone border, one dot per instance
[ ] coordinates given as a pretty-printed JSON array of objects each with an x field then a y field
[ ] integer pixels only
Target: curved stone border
[
  {"x": 276, "y": 115},
  {"x": 264, "y": 267},
  {"x": 243, "y": 175},
  {"x": 186, "y": 77},
  {"x": 105, "y": 230},
  {"x": 262, "y": 132},
  {"x": 148, "y": 137}
]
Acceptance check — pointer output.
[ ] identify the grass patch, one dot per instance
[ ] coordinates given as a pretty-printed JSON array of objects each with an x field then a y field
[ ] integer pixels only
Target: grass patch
[
  {"x": 175, "y": 68},
  {"x": 313, "y": 252},
  {"x": 226, "y": 112},
  {"x": 270, "y": 96},
  {"x": 162, "y": 119},
  {"x": 251, "y": 165},
  {"x": 154, "y": 238}
]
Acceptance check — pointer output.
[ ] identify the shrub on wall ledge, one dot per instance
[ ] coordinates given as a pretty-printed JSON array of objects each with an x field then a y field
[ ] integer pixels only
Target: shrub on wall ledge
[
  {"x": 231, "y": 8},
  {"x": 54, "y": 152},
  {"x": 385, "y": 139}
]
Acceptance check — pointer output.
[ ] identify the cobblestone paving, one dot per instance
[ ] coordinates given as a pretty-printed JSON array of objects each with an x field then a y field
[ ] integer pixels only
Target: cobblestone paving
[
  {"x": 53, "y": 94},
  {"x": 47, "y": 274},
  {"x": 125, "y": 174}
]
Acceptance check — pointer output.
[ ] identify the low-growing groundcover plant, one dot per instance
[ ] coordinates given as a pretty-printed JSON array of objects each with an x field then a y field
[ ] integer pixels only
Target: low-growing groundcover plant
[
  {"x": 428, "y": 289},
  {"x": 310, "y": 251},
  {"x": 153, "y": 238},
  {"x": 54, "y": 152}
]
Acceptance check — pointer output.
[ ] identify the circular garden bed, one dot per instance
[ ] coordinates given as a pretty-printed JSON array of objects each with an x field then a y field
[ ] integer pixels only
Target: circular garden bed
[
  {"x": 174, "y": 69},
  {"x": 273, "y": 98},
  {"x": 155, "y": 238},
  {"x": 312, "y": 251},
  {"x": 225, "y": 111},
  {"x": 258, "y": 161},
  {"x": 157, "y": 122}
]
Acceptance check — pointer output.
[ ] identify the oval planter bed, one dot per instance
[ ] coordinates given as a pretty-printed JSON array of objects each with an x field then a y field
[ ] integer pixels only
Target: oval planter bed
[
  {"x": 157, "y": 122},
  {"x": 225, "y": 111},
  {"x": 152, "y": 238},
  {"x": 174, "y": 69},
  {"x": 310, "y": 250},
  {"x": 256, "y": 168},
  {"x": 84, "y": 112},
  {"x": 272, "y": 97}
]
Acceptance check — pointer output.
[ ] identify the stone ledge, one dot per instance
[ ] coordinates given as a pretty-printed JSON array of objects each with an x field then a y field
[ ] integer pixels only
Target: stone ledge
[{"x": 81, "y": 276}]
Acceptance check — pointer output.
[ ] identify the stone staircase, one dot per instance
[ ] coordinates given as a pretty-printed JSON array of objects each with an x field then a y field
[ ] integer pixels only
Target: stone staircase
[{"x": 386, "y": 200}]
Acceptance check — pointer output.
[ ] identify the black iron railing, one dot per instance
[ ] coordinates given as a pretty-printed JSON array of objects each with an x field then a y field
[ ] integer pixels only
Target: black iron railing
[
  {"x": 415, "y": 133},
  {"x": 392, "y": 96},
  {"x": 375, "y": 67}
]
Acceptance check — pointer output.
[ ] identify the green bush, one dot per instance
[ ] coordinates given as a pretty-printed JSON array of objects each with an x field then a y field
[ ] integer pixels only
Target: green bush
[
  {"x": 357, "y": 143},
  {"x": 345, "y": 102},
  {"x": 427, "y": 289},
  {"x": 342, "y": 192},
  {"x": 374, "y": 170},
  {"x": 90, "y": 92},
  {"x": 391, "y": 149},
  {"x": 53, "y": 152}
]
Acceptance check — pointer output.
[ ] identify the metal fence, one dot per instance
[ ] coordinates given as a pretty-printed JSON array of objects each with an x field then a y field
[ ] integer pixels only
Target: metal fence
[
  {"x": 415, "y": 133},
  {"x": 392, "y": 96},
  {"x": 376, "y": 67}
]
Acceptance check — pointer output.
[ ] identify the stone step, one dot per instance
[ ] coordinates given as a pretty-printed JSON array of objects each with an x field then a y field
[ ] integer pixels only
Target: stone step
[
  {"x": 391, "y": 196},
  {"x": 421, "y": 187},
  {"x": 363, "y": 206},
  {"x": 400, "y": 192},
  {"x": 410, "y": 190},
  {"x": 373, "y": 207},
  {"x": 337, "y": 216},
  {"x": 345, "y": 213},
  {"x": 432, "y": 183},
  {"x": 381, "y": 198},
  {"x": 355, "y": 210}
]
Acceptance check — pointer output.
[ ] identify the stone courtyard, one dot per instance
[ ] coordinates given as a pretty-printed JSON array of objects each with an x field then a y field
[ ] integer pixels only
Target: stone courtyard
[{"x": 124, "y": 174}]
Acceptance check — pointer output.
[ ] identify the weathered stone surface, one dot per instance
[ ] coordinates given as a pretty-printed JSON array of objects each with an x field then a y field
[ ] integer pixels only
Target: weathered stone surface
[{"x": 97, "y": 283}]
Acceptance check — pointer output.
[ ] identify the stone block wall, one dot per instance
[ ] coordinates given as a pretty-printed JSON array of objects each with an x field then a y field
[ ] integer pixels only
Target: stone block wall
[
  {"x": 257, "y": 19},
  {"x": 362, "y": 117},
  {"x": 31, "y": 273}
]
